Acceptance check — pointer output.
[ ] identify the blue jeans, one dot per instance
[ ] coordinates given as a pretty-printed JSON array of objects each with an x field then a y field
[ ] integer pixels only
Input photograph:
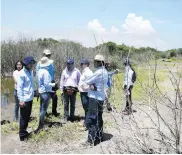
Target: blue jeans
[
  {"x": 16, "y": 109},
  {"x": 72, "y": 100},
  {"x": 44, "y": 103},
  {"x": 85, "y": 102}
]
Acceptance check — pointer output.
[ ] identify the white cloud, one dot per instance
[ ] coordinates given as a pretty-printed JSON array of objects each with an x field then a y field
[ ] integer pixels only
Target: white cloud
[
  {"x": 137, "y": 25},
  {"x": 96, "y": 26},
  {"x": 114, "y": 29},
  {"x": 136, "y": 31}
]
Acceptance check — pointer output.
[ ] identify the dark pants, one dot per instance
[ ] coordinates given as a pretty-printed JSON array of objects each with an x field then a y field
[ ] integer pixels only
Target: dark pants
[
  {"x": 44, "y": 103},
  {"x": 16, "y": 109},
  {"x": 85, "y": 102},
  {"x": 54, "y": 102},
  {"x": 25, "y": 113},
  {"x": 95, "y": 121},
  {"x": 129, "y": 99},
  {"x": 69, "y": 99}
]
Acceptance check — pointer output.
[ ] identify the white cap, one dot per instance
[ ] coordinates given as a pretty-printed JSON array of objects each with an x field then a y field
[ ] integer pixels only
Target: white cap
[
  {"x": 47, "y": 52},
  {"x": 45, "y": 61},
  {"x": 99, "y": 58}
]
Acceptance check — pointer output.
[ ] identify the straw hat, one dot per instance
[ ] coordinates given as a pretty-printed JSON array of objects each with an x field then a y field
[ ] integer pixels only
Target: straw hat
[{"x": 44, "y": 62}]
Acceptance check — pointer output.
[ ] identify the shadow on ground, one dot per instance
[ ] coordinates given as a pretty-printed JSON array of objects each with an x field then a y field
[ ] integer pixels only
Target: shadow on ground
[
  {"x": 75, "y": 118},
  {"x": 106, "y": 137}
]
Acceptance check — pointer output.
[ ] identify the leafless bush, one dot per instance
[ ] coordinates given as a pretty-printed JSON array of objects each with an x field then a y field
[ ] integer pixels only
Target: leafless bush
[{"x": 156, "y": 127}]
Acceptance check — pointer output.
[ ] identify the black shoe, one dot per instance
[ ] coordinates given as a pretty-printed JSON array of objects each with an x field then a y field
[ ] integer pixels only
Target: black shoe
[
  {"x": 109, "y": 109},
  {"x": 55, "y": 114},
  {"x": 23, "y": 138}
]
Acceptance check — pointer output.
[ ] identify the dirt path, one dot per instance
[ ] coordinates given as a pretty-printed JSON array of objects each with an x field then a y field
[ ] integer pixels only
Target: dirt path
[{"x": 116, "y": 128}]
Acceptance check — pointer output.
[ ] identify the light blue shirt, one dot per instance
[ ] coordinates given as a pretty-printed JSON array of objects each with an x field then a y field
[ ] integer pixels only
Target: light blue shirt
[
  {"x": 109, "y": 82},
  {"x": 44, "y": 81},
  {"x": 99, "y": 79},
  {"x": 50, "y": 69},
  {"x": 25, "y": 86}
]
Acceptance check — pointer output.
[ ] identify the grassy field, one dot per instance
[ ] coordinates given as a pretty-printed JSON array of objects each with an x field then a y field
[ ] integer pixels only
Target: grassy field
[{"x": 73, "y": 131}]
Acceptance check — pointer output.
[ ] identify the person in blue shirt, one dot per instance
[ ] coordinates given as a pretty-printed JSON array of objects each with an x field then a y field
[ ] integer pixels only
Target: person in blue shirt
[
  {"x": 47, "y": 53},
  {"x": 96, "y": 94},
  {"x": 109, "y": 84},
  {"x": 25, "y": 93},
  {"x": 44, "y": 88}
]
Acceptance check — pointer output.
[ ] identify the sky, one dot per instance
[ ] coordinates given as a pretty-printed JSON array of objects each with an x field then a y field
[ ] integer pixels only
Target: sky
[{"x": 154, "y": 23}]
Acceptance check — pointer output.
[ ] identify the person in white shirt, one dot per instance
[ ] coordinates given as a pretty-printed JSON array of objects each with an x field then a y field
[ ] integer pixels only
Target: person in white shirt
[
  {"x": 129, "y": 79},
  {"x": 16, "y": 74},
  {"x": 69, "y": 81},
  {"x": 44, "y": 88},
  {"x": 86, "y": 73}
]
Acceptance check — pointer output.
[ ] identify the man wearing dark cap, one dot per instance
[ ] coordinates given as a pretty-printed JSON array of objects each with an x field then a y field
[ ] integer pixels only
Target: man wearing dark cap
[
  {"x": 129, "y": 79},
  {"x": 69, "y": 81},
  {"x": 86, "y": 73},
  {"x": 25, "y": 92}
]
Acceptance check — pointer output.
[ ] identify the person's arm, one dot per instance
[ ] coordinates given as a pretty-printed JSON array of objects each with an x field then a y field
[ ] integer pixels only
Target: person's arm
[
  {"x": 20, "y": 92},
  {"x": 91, "y": 80},
  {"x": 47, "y": 80},
  {"x": 15, "y": 77},
  {"x": 37, "y": 71},
  {"x": 52, "y": 71},
  {"x": 62, "y": 81},
  {"x": 78, "y": 77}
]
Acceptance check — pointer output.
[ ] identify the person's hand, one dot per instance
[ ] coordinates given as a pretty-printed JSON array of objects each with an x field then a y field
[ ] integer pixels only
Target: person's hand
[
  {"x": 22, "y": 104},
  {"x": 92, "y": 87}
]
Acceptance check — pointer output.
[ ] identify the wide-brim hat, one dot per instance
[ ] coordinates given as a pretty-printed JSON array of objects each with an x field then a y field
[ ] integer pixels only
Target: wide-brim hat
[
  {"x": 45, "y": 61},
  {"x": 47, "y": 52},
  {"x": 99, "y": 58}
]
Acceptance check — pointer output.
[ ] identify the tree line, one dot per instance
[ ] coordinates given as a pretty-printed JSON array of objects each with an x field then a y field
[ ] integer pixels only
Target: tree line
[{"x": 11, "y": 51}]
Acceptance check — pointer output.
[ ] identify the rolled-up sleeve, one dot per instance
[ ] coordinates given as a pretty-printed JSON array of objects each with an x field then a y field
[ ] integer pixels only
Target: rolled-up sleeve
[
  {"x": 91, "y": 80},
  {"x": 20, "y": 85},
  {"x": 62, "y": 81}
]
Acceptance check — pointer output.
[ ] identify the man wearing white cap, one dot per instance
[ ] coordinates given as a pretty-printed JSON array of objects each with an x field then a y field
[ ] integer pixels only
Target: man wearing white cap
[
  {"x": 96, "y": 94},
  {"x": 47, "y": 53},
  {"x": 44, "y": 88}
]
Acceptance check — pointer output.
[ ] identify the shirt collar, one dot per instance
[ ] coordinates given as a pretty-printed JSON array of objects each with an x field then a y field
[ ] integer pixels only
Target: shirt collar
[
  {"x": 27, "y": 70},
  {"x": 70, "y": 71},
  {"x": 85, "y": 69}
]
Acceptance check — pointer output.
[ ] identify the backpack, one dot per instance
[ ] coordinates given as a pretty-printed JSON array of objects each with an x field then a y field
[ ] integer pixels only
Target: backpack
[{"x": 134, "y": 76}]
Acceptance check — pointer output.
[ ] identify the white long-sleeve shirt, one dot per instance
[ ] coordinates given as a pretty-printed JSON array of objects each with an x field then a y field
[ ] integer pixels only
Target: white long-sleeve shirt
[
  {"x": 44, "y": 81},
  {"x": 16, "y": 75},
  {"x": 128, "y": 76},
  {"x": 86, "y": 73}
]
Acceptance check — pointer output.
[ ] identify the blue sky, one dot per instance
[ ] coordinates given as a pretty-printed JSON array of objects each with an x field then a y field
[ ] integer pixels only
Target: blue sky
[{"x": 160, "y": 19}]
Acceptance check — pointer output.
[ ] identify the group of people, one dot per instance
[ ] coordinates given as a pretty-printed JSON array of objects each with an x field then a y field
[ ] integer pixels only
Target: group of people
[{"x": 94, "y": 88}]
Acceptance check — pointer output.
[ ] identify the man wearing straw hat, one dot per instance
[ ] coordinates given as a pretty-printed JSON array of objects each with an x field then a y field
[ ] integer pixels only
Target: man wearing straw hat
[
  {"x": 96, "y": 94},
  {"x": 47, "y": 53},
  {"x": 44, "y": 88}
]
